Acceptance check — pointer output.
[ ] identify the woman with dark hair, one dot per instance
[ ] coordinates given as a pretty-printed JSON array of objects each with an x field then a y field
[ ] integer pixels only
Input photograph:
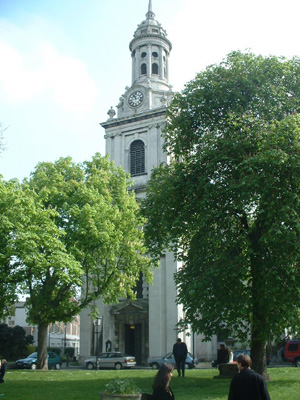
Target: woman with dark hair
[{"x": 161, "y": 388}]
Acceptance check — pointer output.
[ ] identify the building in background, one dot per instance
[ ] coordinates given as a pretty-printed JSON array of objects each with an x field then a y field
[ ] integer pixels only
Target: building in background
[
  {"x": 146, "y": 327},
  {"x": 60, "y": 334}
]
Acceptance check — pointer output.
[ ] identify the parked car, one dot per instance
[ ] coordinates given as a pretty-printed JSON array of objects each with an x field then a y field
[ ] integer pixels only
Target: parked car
[
  {"x": 54, "y": 361},
  {"x": 291, "y": 352},
  {"x": 115, "y": 360},
  {"x": 238, "y": 352},
  {"x": 155, "y": 363}
]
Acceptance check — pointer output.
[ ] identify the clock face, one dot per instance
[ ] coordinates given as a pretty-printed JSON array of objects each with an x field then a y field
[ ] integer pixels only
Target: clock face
[{"x": 136, "y": 99}]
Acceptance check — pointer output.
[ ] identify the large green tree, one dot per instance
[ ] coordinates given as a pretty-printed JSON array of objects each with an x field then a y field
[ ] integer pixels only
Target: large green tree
[
  {"x": 228, "y": 203},
  {"x": 77, "y": 237},
  {"x": 8, "y": 281}
]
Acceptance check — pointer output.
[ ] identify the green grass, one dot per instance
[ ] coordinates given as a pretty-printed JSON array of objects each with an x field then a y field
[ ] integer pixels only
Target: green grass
[{"x": 77, "y": 384}]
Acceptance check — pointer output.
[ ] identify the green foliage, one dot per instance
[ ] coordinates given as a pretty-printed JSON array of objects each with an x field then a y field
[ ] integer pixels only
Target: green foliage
[
  {"x": 70, "y": 351},
  {"x": 30, "y": 348},
  {"x": 8, "y": 280},
  {"x": 122, "y": 386},
  {"x": 13, "y": 342},
  {"x": 56, "y": 350},
  {"x": 228, "y": 203},
  {"x": 70, "y": 229}
]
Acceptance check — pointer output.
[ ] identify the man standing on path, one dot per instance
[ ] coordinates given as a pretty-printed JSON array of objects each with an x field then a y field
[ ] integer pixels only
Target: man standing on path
[
  {"x": 247, "y": 385},
  {"x": 180, "y": 353}
]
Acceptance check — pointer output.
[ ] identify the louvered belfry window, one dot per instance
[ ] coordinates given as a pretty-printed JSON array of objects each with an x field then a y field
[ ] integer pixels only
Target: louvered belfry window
[{"x": 137, "y": 157}]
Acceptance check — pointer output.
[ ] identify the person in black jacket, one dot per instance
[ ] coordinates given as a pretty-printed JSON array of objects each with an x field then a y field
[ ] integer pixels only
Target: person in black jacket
[
  {"x": 247, "y": 385},
  {"x": 223, "y": 355},
  {"x": 180, "y": 353},
  {"x": 161, "y": 384},
  {"x": 2, "y": 371}
]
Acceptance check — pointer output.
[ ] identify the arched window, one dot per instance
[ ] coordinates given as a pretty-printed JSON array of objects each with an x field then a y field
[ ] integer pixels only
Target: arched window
[
  {"x": 137, "y": 157},
  {"x": 154, "y": 69},
  {"x": 143, "y": 69}
]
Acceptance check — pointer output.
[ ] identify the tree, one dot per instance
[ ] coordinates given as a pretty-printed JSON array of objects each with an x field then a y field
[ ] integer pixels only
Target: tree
[
  {"x": 228, "y": 203},
  {"x": 13, "y": 342},
  {"x": 8, "y": 281},
  {"x": 78, "y": 237}
]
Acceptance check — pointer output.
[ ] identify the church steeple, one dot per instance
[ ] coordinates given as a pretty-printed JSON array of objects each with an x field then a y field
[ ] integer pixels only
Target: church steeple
[
  {"x": 150, "y": 50},
  {"x": 150, "y": 14},
  {"x": 150, "y": 88}
]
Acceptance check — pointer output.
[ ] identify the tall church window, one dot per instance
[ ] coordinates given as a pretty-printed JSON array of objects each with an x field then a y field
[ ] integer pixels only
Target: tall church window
[
  {"x": 143, "y": 69},
  {"x": 138, "y": 290},
  {"x": 137, "y": 157},
  {"x": 154, "y": 69}
]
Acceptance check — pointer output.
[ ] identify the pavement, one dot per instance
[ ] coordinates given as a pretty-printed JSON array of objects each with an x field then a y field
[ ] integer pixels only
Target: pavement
[{"x": 200, "y": 365}]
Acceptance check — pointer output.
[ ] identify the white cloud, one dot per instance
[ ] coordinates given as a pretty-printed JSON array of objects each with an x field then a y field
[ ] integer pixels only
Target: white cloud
[
  {"x": 68, "y": 80},
  {"x": 204, "y": 32},
  {"x": 18, "y": 83},
  {"x": 62, "y": 77}
]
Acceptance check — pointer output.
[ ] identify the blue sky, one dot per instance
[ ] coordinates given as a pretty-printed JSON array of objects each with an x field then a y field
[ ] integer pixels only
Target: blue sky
[{"x": 63, "y": 63}]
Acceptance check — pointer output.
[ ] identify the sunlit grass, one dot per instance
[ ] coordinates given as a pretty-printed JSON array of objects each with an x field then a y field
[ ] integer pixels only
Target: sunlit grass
[{"x": 78, "y": 384}]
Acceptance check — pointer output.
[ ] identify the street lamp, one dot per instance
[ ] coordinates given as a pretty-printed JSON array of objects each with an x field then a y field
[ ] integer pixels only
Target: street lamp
[
  {"x": 65, "y": 334},
  {"x": 97, "y": 327}
]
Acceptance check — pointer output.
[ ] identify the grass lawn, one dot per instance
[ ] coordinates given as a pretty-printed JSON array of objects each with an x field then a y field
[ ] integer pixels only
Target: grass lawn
[{"x": 85, "y": 385}]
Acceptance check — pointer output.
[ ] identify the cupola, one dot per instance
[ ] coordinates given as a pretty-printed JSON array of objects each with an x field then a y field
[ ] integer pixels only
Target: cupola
[{"x": 150, "y": 51}]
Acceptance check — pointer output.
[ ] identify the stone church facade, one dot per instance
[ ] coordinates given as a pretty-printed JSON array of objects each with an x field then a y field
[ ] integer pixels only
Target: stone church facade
[{"x": 146, "y": 327}]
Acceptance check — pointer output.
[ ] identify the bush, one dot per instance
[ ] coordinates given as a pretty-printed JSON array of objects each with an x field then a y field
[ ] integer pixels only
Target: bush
[
  {"x": 70, "y": 351},
  {"x": 13, "y": 342},
  {"x": 56, "y": 350},
  {"x": 30, "y": 349}
]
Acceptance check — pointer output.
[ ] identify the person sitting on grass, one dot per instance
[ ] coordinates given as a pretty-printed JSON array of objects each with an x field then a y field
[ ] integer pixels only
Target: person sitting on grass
[{"x": 161, "y": 388}]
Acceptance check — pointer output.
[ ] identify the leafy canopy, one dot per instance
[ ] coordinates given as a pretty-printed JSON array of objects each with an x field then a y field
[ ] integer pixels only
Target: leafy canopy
[
  {"x": 70, "y": 234},
  {"x": 228, "y": 202}
]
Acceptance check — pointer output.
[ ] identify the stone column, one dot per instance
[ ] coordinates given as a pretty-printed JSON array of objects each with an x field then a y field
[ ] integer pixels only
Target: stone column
[
  {"x": 166, "y": 65},
  {"x": 137, "y": 64},
  {"x": 161, "y": 64},
  {"x": 133, "y": 66},
  {"x": 149, "y": 57}
]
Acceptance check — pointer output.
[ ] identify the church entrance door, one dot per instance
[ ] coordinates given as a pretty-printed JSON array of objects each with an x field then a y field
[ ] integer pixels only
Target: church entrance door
[{"x": 133, "y": 341}]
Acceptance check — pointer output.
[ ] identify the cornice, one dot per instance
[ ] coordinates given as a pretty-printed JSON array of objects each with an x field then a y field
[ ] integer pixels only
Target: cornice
[
  {"x": 134, "y": 118},
  {"x": 149, "y": 35}
]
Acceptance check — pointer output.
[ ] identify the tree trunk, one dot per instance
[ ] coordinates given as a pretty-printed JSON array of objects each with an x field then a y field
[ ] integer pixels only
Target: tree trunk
[
  {"x": 258, "y": 356},
  {"x": 259, "y": 328},
  {"x": 42, "y": 362},
  {"x": 259, "y": 331}
]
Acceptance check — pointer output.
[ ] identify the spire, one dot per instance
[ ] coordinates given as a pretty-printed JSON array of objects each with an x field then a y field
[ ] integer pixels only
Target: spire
[{"x": 150, "y": 14}]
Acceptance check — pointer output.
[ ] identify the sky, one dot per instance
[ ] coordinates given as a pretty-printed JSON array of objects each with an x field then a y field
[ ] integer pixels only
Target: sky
[{"x": 64, "y": 63}]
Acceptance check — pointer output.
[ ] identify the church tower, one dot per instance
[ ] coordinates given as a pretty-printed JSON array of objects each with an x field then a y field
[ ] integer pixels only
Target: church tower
[
  {"x": 133, "y": 139},
  {"x": 146, "y": 327}
]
